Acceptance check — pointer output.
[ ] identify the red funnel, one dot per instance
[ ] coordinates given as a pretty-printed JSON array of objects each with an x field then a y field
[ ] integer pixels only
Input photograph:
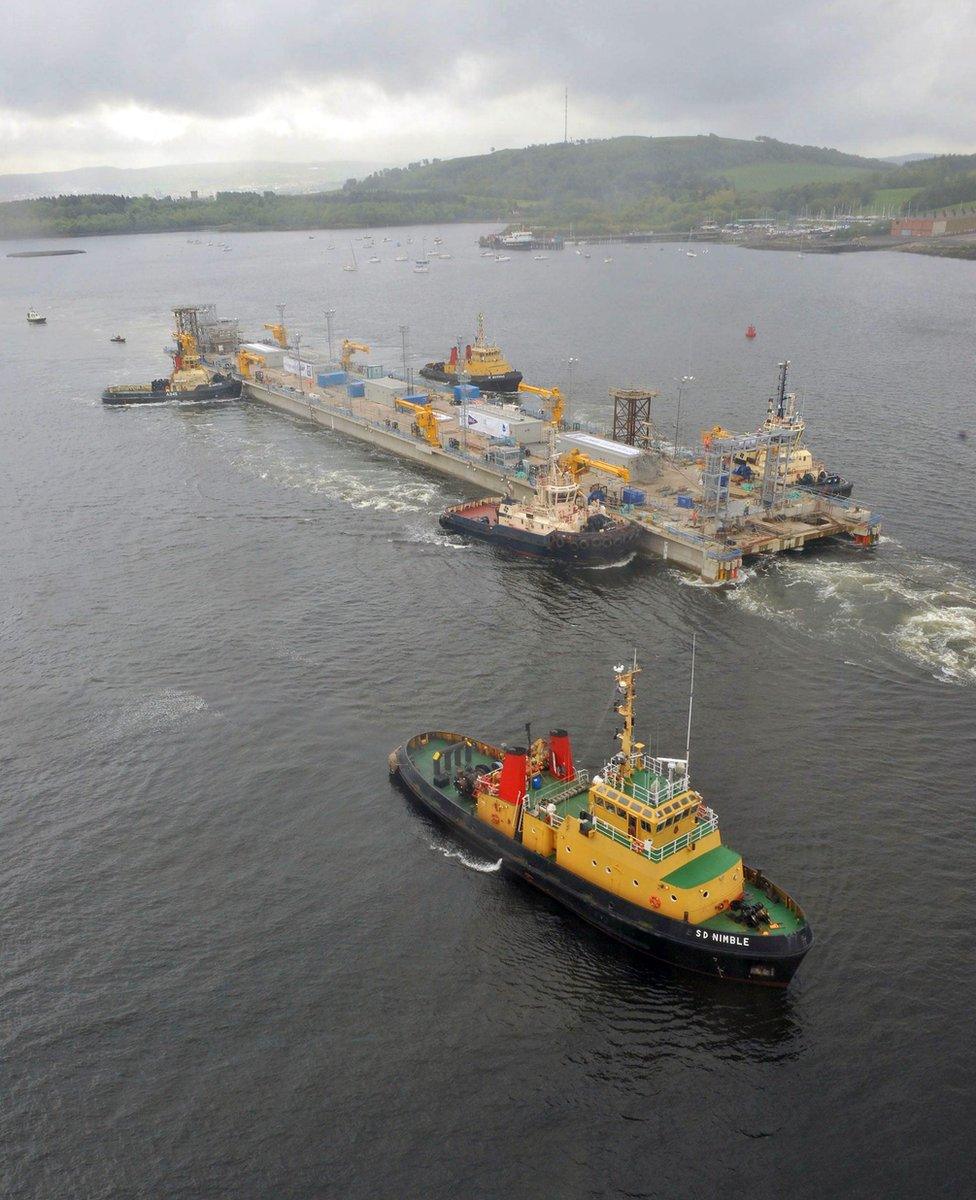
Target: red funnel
[
  {"x": 561, "y": 754},
  {"x": 511, "y": 782}
]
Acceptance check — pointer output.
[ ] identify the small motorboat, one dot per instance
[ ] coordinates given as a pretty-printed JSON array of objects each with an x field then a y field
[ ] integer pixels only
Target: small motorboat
[
  {"x": 118, "y": 338},
  {"x": 35, "y": 318},
  {"x": 751, "y": 331}
]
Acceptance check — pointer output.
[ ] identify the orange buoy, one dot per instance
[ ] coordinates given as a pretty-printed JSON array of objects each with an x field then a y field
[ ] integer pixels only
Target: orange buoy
[{"x": 751, "y": 331}]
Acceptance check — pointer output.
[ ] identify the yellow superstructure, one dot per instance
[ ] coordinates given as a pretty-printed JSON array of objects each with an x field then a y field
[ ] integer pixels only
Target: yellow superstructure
[
  {"x": 188, "y": 372},
  {"x": 645, "y": 834},
  {"x": 485, "y": 359}
]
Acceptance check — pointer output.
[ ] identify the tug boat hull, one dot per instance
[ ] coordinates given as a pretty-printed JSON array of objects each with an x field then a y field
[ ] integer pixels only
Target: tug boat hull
[
  {"x": 440, "y": 373},
  {"x": 747, "y": 957},
  {"x": 839, "y": 487},
  {"x": 217, "y": 389},
  {"x": 480, "y": 519}
]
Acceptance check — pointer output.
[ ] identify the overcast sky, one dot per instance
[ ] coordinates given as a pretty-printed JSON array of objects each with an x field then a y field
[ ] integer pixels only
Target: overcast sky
[{"x": 140, "y": 82}]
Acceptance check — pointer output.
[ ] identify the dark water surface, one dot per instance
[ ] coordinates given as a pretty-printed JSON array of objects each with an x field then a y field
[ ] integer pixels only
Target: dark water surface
[{"x": 237, "y": 962}]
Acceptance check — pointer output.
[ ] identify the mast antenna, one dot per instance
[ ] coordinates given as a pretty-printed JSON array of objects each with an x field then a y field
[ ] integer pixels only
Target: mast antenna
[
  {"x": 781, "y": 397},
  {"x": 691, "y": 701},
  {"x": 566, "y": 116}
]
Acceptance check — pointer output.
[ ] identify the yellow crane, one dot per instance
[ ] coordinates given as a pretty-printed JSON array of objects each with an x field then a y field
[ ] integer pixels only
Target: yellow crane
[
  {"x": 554, "y": 395},
  {"x": 245, "y": 361},
  {"x": 348, "y": 350},
  {"x": 426, "y": 421},
  {"x": 576, "y": 463},
  {"x": 280, "y": 335}
]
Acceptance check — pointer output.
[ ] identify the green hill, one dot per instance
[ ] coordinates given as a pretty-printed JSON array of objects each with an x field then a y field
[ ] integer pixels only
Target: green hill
[
  {"x": 624, "y": 168},
  {"x": 612, "y": 185}
]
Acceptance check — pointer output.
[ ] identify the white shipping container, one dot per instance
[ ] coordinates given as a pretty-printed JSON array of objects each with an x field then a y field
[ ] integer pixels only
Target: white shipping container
[
  {"x": 385, "y": 391},
  {"x": 488, "y": 423},
  {"x": 271, "y": 356},
  {"x": 291, "y": 365}
]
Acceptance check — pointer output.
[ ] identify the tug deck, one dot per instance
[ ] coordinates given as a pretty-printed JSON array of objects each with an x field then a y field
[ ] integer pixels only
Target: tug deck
[{"x": 552, "y": 790}]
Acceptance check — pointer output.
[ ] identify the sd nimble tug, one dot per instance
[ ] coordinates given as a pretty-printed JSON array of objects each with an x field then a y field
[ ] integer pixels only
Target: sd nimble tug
[{"x": 635, "y": 850}]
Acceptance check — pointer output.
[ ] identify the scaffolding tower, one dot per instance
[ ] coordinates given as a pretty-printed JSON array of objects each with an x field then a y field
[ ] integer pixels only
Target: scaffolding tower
[
  {"x": 212, "y": 334},
  {"x": 720, "y": 459},
  {"x": 632, "y": 416},
  {"x": 188, "y": 321}
]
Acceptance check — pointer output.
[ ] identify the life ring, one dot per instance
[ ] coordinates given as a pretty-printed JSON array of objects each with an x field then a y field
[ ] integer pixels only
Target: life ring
[{"x": 655, "y": 902}]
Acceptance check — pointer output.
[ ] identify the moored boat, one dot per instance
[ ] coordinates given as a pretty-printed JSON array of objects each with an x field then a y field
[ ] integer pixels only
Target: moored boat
[
  {"x": 799, "y": 468},
  {"x": 190, "y": 381},
  {"x": 635, "y": 850},
  {"x": 35, "y": 318},
  {"x": 484, "y": 365},
  {"x": 559, "y": 522}
]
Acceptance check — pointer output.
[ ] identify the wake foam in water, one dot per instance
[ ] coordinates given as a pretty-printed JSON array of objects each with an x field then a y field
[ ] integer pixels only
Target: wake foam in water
[
  {"x": 367, "y": 489},
  {"x": 686, "y": 579},
  {"x": 153, "y": 713},
  {"x": 473, "y": 864},
  {"x": 925, "y": 611},
  {"x": 944, "y": 639},
  {"x": 611, "y": 566}
]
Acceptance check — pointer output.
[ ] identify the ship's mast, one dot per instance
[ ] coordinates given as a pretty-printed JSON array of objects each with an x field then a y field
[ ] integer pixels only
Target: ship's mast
[
  {"x": 691, "y": 701},
  {"x": 626, "y": 677},
  {"x": 781, "y": 395}
]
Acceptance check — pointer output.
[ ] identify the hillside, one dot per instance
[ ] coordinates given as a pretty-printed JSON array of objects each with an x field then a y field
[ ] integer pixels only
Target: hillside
[
  {"x": 621, "y": 169},
  {"x": 614, "y": 185}
]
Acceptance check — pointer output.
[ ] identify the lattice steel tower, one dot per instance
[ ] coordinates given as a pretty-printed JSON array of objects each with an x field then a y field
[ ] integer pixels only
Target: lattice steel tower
[{"x": 632, "y": 416}]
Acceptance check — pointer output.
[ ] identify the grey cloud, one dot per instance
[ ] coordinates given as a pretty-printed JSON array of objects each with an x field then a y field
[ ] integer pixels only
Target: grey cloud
[{"x": 816, "y": 71}]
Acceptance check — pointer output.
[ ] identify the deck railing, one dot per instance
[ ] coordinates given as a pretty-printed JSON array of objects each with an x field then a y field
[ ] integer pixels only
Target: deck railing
[
  {"x": 662, "y": 790},
  {"x": 658, "y": 854}
]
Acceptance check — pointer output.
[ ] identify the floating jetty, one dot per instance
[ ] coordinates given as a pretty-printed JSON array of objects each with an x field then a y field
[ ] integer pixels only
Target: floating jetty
[{"x": 692, "y": 508}]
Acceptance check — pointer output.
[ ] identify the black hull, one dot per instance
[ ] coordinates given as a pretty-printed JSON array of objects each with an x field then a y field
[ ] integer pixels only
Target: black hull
[
  {"x": 745, "y": 958},
  {"x": 607, "y": 546},
  {"x": 228, "y": 389},
  {"x": 509, "y": 382},
  {"x": 832, "y": 487}
]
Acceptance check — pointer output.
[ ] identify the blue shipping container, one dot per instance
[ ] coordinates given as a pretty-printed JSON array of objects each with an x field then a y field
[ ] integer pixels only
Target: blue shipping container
[
  {"x": 356, "y": 390},
  {"x": 685, "y": 502},
  {"x": 331, "y": 379},
  {"x": 633, "y": 496},
  {"x": 417, "y": 398},
  {"x": 466, "y": 391}
]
